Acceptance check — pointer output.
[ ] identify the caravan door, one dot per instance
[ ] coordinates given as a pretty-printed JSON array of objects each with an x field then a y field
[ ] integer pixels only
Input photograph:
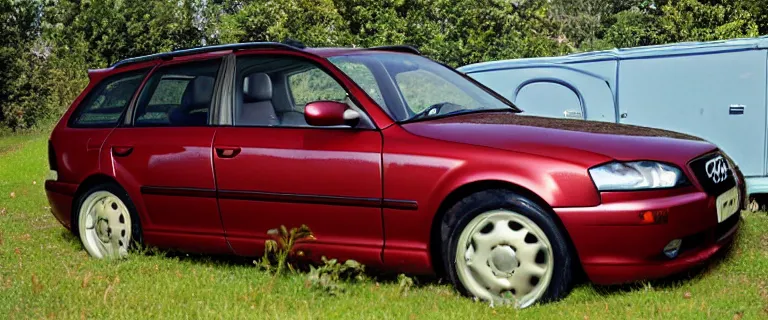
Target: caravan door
[{"x": 719, "y": 97}]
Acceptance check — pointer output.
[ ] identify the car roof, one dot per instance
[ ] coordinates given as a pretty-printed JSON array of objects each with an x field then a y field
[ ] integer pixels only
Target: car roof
[
  {"x": 322, "y": 52},
  {"x": 664, "y": 50}
]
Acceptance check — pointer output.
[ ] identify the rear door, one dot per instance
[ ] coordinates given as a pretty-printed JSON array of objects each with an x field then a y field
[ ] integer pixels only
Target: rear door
[
  {"x": 163, "y": 157},
  {"x": 718, "y": 97}
]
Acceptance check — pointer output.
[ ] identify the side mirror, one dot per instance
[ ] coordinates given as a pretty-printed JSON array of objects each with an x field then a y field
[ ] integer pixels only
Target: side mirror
[{"x": 330, "y": 113}]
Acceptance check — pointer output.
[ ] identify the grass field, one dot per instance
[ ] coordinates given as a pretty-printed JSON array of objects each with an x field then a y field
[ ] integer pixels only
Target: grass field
[{"x": 44, "y": 273}]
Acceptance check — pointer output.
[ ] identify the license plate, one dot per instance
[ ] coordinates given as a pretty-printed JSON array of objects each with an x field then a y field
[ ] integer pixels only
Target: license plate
[{"x": 727, "y": 204}]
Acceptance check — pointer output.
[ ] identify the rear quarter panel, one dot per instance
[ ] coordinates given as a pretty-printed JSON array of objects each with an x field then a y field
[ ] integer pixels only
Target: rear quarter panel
[{"x": 77, "y": 150}]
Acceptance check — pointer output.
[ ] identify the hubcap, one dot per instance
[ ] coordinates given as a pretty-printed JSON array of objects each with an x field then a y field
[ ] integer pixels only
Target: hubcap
[
  {"x": 503, "y": 261},
  {"x": 504, "y": 257},
  {"x": 105, "y": 225}
]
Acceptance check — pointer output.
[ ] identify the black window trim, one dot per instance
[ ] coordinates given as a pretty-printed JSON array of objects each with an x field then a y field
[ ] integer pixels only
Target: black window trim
[{"x": 72, "y": 123}]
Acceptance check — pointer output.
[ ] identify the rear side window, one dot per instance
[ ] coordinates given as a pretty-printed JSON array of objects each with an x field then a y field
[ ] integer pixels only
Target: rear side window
[
  {"x": 178, "y": 95},
  {"x": 106, "y": 102}
]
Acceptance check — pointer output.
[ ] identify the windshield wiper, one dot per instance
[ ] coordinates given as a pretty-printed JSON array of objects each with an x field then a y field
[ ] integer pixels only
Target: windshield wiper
[
  {"x": 425, "y": 112},
  {"x": 466, "y": 111},
  {"x": 455, "y": 113}
]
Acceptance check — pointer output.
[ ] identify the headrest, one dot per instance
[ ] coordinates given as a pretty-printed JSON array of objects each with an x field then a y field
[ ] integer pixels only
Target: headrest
[
  {"x": 200, "y": 91},
  {"x": 258, "y": 88}
]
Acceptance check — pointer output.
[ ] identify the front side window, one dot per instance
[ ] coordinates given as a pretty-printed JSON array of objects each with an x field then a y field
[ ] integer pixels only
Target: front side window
[
  {"x": 413, "y": 87},
  {"x": 273, "y": 91},
  {"x": 313, "y": 85},
  {"x": 364, "y": 78},
  {"x": 106, "y": 103},
  {"x": 178, "y": 95}
]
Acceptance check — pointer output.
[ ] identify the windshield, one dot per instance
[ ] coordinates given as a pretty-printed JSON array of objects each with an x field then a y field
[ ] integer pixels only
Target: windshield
[{"x": 411, "y": 87}]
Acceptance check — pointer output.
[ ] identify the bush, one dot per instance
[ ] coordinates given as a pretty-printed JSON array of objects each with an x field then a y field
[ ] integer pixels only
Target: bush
[
  {"x": 280, "y": 252},
  {"x": 330, "y": 276},
  {"x": 46, "y": 46}
]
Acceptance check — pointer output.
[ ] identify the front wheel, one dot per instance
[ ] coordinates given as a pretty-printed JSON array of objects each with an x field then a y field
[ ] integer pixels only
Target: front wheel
[
  {"x": 106, "y": 222},
  {"x": 504, "y": 248}
]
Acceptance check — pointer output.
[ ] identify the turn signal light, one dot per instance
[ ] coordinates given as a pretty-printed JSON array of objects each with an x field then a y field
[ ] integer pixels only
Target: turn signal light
[{"x": 654, "y": 217}]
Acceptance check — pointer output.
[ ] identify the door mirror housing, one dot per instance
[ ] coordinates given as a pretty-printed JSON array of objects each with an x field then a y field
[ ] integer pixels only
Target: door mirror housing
[{"x": 330, "y": 113}]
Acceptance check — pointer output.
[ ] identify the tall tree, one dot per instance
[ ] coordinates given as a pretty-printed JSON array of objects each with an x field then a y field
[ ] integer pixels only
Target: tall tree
[
  {"x": 465, "y": 31},
  {"x": 19, "y": 27},
  {"x": 117, "y": 29},
  {"x": 692, "y": 20},
  {"x": 314, "y": 22}
]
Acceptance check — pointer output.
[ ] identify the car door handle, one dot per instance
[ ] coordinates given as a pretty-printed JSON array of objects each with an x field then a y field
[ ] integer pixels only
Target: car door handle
[
  {"x": 121, "y": 151},
  {"x": 227, "y": 152}
]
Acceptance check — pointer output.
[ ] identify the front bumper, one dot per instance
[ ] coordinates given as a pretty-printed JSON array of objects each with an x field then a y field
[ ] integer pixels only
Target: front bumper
[{"x": 616, "y": 246}]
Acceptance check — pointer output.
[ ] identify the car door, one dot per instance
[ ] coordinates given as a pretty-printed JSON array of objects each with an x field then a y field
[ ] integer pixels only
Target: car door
[
  {"x": 162, "y": 155},
  {"x": 273, "y": 170}
]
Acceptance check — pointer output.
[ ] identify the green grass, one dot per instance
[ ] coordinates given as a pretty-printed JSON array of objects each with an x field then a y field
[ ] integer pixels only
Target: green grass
[{"x": 44, "y": 273}]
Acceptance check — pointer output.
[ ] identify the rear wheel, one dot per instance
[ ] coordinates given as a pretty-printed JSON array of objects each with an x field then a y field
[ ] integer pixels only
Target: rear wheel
[
  {"x": 503, "y": 248},
  {"x": 106, "y": 221}
]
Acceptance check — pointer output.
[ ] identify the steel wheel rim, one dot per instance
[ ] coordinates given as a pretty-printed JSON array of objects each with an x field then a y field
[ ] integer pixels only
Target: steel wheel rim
[
  {"x": 496, "y": 259},
  {"x": 105, "y": 225}
]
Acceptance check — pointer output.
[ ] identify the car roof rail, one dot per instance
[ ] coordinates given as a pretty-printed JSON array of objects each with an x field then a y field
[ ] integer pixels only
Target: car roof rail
[
  {"x": 289, "y": 44},
  {"x": 398, "y": 48},
  {"x": 205, "y": 49}
]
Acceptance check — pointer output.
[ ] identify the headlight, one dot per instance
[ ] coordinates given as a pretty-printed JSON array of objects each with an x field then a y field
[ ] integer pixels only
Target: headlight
[{"x": 636, "y": 175}]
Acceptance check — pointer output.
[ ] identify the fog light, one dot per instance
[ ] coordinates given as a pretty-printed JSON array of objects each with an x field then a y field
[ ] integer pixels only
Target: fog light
[{"x": 673, "y": 248}]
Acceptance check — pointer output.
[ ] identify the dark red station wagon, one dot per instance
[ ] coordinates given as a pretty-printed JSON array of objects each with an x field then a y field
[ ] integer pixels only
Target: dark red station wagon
[{"x": 392, "y": 159}]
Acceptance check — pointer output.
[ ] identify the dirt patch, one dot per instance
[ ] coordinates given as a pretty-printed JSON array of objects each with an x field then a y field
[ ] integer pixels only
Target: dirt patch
[
  {"x": 764, "y": 242},
  {"x": 9, "y": 149}
]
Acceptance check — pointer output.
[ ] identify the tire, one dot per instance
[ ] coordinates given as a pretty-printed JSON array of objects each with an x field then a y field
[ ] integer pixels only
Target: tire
[
  {"x": 487, "y": 220},
  {"x": 106, "y": 221}
]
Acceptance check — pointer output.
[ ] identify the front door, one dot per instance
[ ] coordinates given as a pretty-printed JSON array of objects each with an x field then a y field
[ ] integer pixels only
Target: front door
[
  {"x": 163, "y": 156},
  {"x": 273, "y": 170}
]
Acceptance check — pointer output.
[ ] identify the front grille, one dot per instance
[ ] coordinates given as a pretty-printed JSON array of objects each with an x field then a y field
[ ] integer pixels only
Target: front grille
[
  {"x": 714, "y": 173},
  {"x": 707, "y": 237}
]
